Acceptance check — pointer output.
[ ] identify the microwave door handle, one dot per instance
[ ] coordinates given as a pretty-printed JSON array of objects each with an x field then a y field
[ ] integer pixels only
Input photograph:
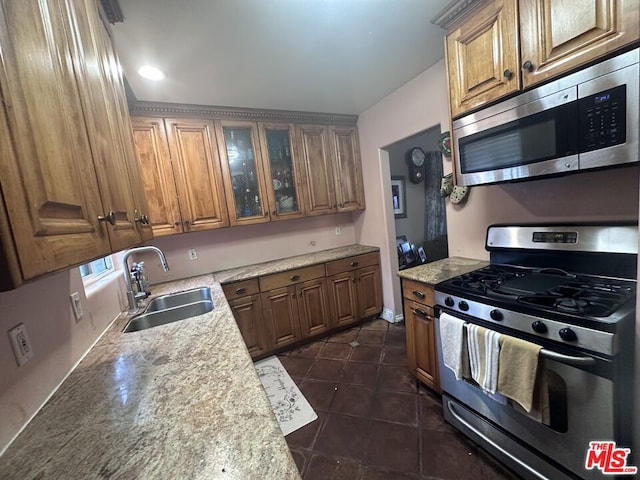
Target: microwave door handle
[
  {"x": 568, "y": 359},
  {"x": 509, "y": 455}
]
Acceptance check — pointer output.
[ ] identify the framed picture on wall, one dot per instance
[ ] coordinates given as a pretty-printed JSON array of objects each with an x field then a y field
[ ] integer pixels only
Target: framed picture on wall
[{"x": 399, "y": 197}]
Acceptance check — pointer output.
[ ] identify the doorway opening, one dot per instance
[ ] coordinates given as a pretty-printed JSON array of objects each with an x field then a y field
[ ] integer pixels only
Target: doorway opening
[{"x": 419, "y": 209}]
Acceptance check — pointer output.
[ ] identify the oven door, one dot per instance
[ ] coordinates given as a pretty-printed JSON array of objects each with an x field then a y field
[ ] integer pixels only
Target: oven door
[{"x": 581, "y": 409}]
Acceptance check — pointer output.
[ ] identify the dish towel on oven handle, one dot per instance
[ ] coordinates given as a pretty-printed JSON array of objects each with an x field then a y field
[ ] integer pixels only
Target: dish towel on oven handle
[
  {"x": 484, "y": 353},
  {"x": 520, "y": 379},
  {"x": 454, "y": 345}
]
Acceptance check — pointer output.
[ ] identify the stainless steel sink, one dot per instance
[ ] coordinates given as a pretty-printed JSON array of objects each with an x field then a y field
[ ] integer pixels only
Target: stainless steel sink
[{"x": 171, "y": 308}]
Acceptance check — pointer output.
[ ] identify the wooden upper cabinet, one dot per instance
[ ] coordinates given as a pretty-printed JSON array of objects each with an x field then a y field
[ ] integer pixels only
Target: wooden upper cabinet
[
  {"x": 48, "y": 180},
  {"x": 482, "y": 56},
  {"x": 281, "y": 170},
  {"x": 243, "y": 172},
  {"x": 347, "y": 169},
  {"x": 198, "y": 177},
  {"x": 92, "y": 55},
  {"x": 503, "y": 46},
  {"x": 152, "y": 151},
  {"x": 315, "y": 159},
  {"x": 557, "y": 36}
]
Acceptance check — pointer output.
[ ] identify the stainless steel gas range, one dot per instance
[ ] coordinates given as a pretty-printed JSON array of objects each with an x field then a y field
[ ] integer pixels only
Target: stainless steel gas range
[{"x": 572, "y": 290}]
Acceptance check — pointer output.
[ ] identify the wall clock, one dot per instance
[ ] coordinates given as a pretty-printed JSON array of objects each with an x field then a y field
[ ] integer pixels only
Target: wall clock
[{"x": 415, "y": 160}]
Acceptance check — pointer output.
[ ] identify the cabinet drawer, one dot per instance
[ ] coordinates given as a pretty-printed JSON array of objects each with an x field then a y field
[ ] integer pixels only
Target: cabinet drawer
[
  {"x": 291, "y": 277},
  {"x": 418, "y": 292},
  {"x": 351, "y": 263},
  {"x": 241, "y": 289}
]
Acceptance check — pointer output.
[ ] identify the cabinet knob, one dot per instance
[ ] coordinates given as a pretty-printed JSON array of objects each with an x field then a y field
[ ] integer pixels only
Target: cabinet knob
[
  {"x": 186, "y": 223},
  {"x": 266, "y": 213},
  {"x": 294, "y": 278},
  {"x": 176, "y": 223},
  {"x": 418, "y": 294},
  {"x": 508, "y": 74},
  {"x": 146, "y": 219},
  {"x": 109, "y": 217},
  {"x": 528, "y": 66},
  {"x": 274, "y": 213},
  {"x": 353, "y": 264},
  {"x": 240, "y": 291},
  {"x": 342, "y": 205}
]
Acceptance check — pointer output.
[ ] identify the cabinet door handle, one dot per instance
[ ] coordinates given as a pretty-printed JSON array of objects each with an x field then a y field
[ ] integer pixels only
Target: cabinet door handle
[
  {"x": 528, "y": 66},
  {"x": 508, "y": 74},
  {"x": 266, "y": 213},
  {"x": 274, "y": 213},
  {"x": 176, "y": 223},
  {"x": 353, "y": 264},
  {"x": 418, "y": 294},
  {"x": 294, "y": 278},
  {"x": 300, "y": 292},
  {"x": 419, "y": 312},
  {"x": 186, "y": 223},
  {"x": 241, "y": 290},
  {"x": 109, "y": 217}
]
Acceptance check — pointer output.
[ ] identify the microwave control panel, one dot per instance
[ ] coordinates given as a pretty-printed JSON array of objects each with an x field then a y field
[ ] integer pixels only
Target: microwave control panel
[{"x": 602, "y": 119}]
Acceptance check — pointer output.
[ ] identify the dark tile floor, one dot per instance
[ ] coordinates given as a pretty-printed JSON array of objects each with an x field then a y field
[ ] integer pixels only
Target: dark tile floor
[{"x": 374, "y": 422}]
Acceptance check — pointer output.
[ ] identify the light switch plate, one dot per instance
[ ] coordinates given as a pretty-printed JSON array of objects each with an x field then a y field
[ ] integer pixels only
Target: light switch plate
[
  {"x": 20, "y": 344},
  {"x": 77, "y": 305}
]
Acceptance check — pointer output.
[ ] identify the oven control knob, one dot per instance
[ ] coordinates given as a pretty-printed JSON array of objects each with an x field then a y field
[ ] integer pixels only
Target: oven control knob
[
  {"x": 496, "y": 315},
  {"x": 449, "y": 302},
  {"x": 462, "y": 305},
  {"x": 539, "y": 327},
  {"x": 568, "y": 335}
]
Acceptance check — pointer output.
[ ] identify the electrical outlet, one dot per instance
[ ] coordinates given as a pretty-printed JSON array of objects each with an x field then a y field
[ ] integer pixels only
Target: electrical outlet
[
  {"x": 387, "y": 314},
  {"x": 193, "y": 255},
  {"x": 77, "y": 305},
  {"x": 338, "y": 231},
  {"x": 20, "y": 344}
]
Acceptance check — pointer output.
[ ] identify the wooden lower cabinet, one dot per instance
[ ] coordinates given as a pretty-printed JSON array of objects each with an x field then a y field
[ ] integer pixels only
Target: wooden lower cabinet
[
  {"x": 342, "y": 296},
  {"x": 280, "y": 309},
  {"x": 313, "y": 307},
  {"x": 248, "y": 314},
  {"x": 369, "y": 288},
  {"x": 421, "y": 336}
]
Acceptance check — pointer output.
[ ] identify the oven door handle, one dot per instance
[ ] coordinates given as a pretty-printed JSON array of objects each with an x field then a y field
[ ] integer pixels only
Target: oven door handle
[
  {"x": 568, "y": 359},
  {"x": 504, "y": 452}
]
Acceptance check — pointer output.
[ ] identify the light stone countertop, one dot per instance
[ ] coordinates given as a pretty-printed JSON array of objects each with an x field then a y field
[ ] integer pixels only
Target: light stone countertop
[
  {"x": 441, "y": 270},
  {"x": 177, "y": 401},
  {"x": 289, "y": 263}
]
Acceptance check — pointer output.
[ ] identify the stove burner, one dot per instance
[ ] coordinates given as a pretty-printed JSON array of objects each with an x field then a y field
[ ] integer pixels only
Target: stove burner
[{"x": 547, "y": 289}]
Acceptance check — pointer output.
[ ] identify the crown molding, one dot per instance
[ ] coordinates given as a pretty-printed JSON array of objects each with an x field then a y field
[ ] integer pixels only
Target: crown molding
[
  {"x": 454, "y": 12},
  {"x": 159, "y": 109}
]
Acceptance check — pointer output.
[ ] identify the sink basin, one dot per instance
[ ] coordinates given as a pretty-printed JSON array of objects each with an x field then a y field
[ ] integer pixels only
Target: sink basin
[{"x": 171, "y": 308}]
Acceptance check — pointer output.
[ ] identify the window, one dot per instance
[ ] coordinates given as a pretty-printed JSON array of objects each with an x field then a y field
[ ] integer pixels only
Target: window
[{"x": 97, "y": 268}]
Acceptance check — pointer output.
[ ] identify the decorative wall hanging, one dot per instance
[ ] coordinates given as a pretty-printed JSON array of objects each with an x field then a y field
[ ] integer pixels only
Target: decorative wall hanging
[{"x": 399, "y": 197}]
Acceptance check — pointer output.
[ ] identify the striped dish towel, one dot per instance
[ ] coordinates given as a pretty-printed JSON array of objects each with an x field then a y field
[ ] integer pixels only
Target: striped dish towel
[{"x": 484, "y": 353}]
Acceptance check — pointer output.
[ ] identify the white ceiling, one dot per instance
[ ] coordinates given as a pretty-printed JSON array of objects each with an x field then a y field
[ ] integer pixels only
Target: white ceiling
[{"x": 338, "y": 56}]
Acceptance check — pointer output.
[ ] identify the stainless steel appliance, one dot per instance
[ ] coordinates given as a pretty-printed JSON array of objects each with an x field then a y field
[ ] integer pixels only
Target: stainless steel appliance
[
  {"x": 585, "y": 120},
  {"x": 570, "y": 289}
]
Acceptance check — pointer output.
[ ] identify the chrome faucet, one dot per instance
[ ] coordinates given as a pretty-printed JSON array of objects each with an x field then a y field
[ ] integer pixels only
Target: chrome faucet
[{"x": 132, "y": 296}]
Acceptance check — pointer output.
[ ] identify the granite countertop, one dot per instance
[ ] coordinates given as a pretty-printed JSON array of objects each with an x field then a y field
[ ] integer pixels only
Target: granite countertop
[
  {"x": 181, "y": 400},
  {"x": 299, "y": 261},
  {"x": 441, "y": 270}
]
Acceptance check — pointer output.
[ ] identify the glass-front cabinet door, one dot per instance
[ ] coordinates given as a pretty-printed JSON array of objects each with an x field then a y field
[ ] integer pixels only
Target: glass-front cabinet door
[
  {"x": 281, "y": 171},
  {"x": 243, "y": 174}
]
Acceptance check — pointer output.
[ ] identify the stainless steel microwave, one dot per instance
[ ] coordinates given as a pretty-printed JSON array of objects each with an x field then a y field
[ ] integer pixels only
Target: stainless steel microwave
[{"x": 588, "y": 119}]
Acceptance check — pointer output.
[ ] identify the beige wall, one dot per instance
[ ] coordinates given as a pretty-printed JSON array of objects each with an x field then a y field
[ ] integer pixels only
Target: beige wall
[
  {"x": 58, "y": 341},
  {"x": 418, "y": 105}
]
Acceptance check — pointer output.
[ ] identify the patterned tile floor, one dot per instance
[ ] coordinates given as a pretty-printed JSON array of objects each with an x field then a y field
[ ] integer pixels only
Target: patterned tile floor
[{"x": 374, "y": 422}]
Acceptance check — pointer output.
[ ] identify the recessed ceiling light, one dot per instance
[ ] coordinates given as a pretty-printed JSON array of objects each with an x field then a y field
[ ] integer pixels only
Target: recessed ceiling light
[{"x": 151, "y": 73}]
